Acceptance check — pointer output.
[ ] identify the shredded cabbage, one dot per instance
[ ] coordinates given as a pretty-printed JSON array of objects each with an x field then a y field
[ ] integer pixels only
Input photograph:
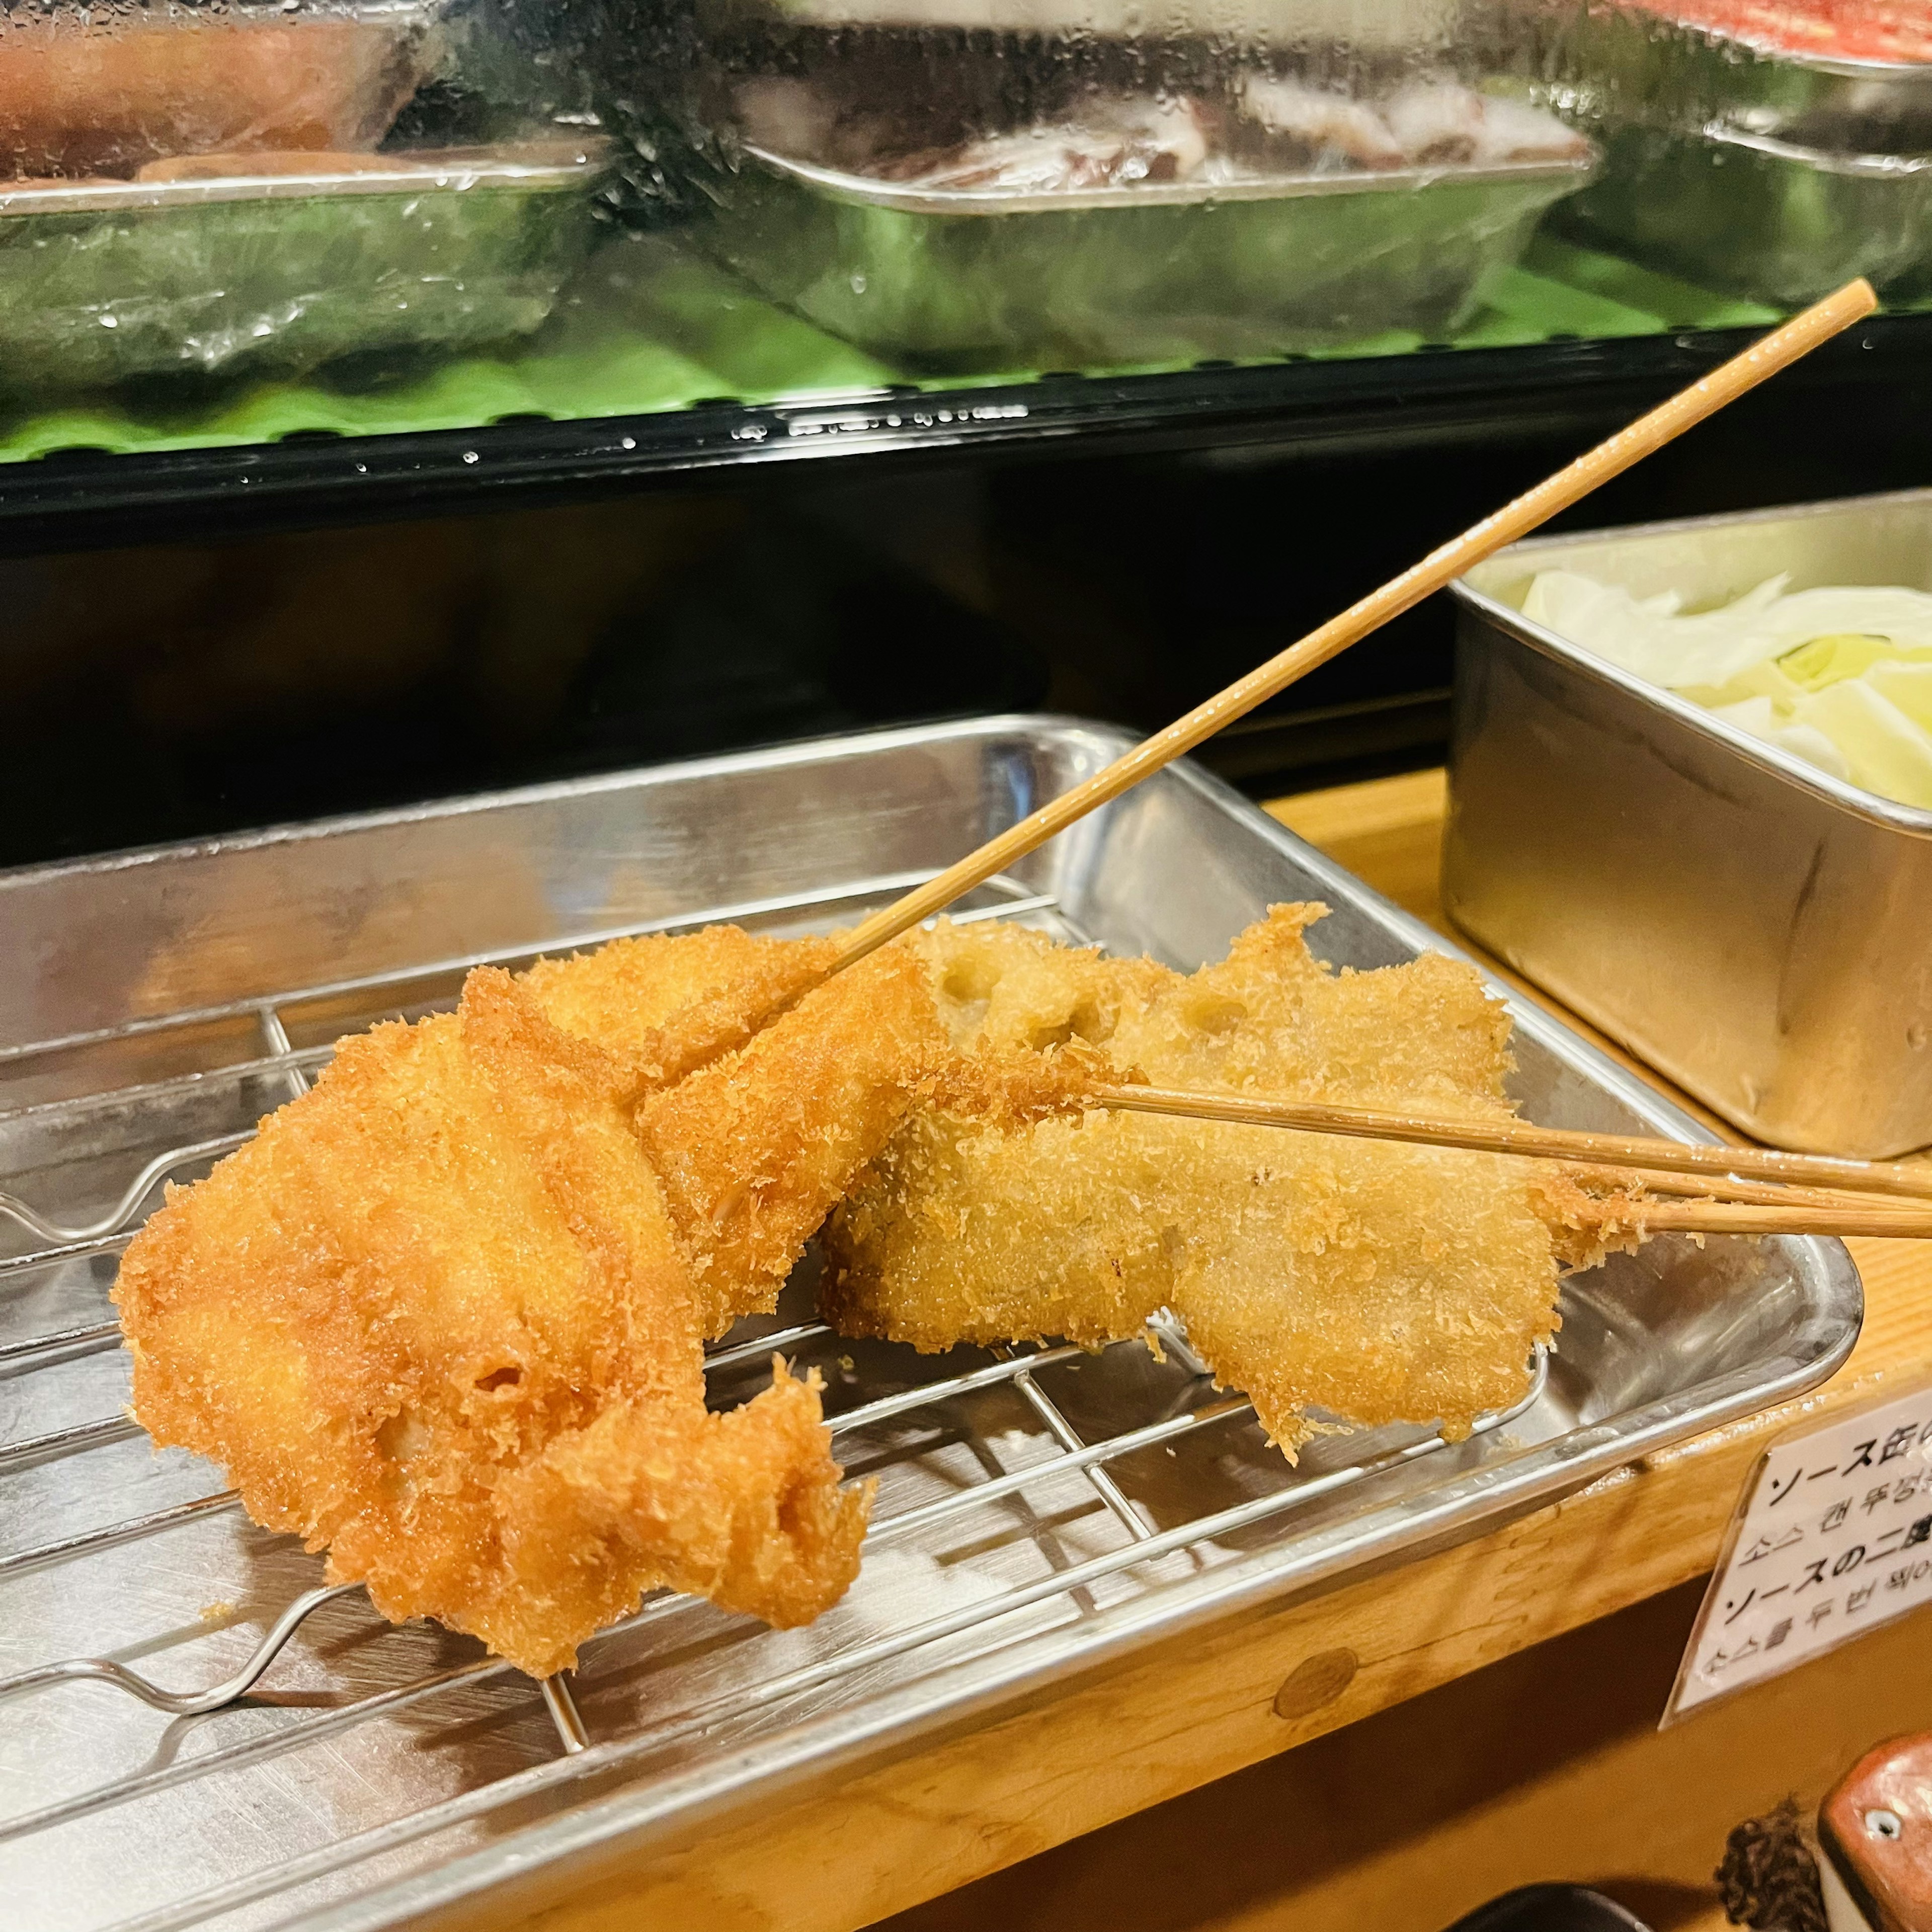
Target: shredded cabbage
[{"x": 1840, "y": 676}]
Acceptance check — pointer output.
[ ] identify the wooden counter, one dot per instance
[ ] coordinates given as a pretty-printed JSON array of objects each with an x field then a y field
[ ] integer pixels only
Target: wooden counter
[{"x": 1543, "y": 1766}]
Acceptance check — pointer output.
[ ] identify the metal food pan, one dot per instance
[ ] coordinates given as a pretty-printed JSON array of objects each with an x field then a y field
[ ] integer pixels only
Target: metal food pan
[
  {"x": 153, "y": 1005},
  {"x": 1759, "y": 932},
  {"x": 99, "y": 281},
  {"x": 1758, "y": 215},
  {"x": 1620, "y": 63},
  {"x": 1151, "y": 272}
]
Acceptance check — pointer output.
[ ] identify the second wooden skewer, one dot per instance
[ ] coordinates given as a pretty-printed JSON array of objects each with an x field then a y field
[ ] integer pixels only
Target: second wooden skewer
[
  {"x": 1722, "y": 1217},
  {"x": 1521, "y": 1137},
  {"x": 1721, "y": 1202}
]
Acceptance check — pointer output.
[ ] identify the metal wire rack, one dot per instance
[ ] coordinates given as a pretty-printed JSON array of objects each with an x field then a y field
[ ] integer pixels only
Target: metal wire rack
[{"x": 1029, "y": 1483}]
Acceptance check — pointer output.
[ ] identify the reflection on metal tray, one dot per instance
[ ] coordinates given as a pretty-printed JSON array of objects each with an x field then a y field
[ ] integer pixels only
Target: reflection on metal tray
[
  {"x": 1778, "y": 964},
  {"x": 1153, "y": 272},
  {"x": 102, "y": 280},
  {"x": 1759, "y": 216},
  {"x": 1038, "y": 1512}
]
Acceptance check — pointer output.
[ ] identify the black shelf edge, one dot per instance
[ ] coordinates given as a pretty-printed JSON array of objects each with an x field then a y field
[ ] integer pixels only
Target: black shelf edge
[{"x": 1546, "y": 391}]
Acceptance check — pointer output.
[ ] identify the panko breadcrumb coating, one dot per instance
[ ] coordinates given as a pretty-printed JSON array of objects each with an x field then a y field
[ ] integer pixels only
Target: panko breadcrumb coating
[
  {"x": 758, "y": 1147},
  {"x": 666, "y": 1004},
  {"x": 1379, "y": 1282},
  {"x": 437, "y": 1317}
]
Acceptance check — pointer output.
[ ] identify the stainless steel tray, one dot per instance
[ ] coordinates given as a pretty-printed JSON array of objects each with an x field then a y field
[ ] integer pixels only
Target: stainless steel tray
[
  {"x": 1756, "y": 930},
  {"x": 968, "y": 278},
  {"x": 99, "y": 281},
  {"x": 1622, "y": 63},
  {"x": 1759, "y": 215},
  {"x": 378, "y": 1776},
  {"x": 1772, "y": 175}
]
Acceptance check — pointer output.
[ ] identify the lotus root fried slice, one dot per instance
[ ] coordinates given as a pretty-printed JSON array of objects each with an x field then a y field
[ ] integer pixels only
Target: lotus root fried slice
[{"x": 1379, "y": 1282}]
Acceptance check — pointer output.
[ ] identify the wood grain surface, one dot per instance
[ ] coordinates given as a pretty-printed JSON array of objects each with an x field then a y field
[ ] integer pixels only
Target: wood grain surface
[{"x": 1390, "y": 1827}]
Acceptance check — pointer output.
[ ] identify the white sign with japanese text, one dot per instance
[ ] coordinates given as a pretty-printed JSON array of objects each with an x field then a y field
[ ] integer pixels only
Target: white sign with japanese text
[{"x": 1833, "y": 1538}]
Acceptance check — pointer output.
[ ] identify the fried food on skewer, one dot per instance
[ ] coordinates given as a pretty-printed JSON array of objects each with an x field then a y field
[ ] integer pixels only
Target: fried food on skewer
[
  {"x": 756, "y": 1149},
  {"x": 667, "y": 1002},
  {"x": 1377, "y": 1281},
  {"x": 445, "y": 1315},
  {"x": 437, "y": 1317}
]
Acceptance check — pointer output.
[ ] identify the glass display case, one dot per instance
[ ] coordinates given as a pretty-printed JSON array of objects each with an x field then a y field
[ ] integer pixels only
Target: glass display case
[
  {"x": 231, "y": 224},
  {"x": 1297, "y": 285}
]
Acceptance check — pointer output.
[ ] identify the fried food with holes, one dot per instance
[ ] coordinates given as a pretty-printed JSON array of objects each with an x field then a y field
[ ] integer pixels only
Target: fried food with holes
[
  {"x": 1376, "y": 1282},
  {"x": 437, "y": 1317}
]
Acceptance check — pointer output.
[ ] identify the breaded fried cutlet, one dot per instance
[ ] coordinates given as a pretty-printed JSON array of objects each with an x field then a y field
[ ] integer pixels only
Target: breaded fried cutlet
[
  {"x": 1377, "y": 1282},
  {"x": 755, "y": 1150},
  {"x": 667, "y": 1003},
  {"x": 756, "y": 1147},
  {"x": 444, "y": 1315},
  {"x": 438, "y": 1317}
]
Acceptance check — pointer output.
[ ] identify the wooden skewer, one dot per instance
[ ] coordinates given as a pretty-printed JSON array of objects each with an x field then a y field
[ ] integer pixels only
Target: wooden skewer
[
  {"x": 1521, "y": 1137},
  {"x": 1570, "y": 485},
  {"x": 1691, "y": 1187},
  {"x": 1723, "y": 1203},
  {"x": 1718, "y": 1217}
]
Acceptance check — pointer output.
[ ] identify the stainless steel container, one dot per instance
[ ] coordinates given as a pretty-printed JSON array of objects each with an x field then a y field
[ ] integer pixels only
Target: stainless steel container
[
  {"x": 99, "y": 281},
  {"x": 1759, "y": 932},
  {"x": 1758, "y": 215},
  {"x": 1620, "y": 63},
  {"x": 1163, "y": 272},
  {"x": 1777, "y": 176},
  {"x": 152, "y": 1006}
]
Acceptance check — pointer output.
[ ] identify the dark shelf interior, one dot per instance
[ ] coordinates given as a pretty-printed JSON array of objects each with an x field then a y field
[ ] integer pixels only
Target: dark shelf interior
[{"x": 199, "y": 641}]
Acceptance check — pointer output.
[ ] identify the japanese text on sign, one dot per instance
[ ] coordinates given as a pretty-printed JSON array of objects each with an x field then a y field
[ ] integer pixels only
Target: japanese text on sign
[{"x": 1834, "y": 1538}]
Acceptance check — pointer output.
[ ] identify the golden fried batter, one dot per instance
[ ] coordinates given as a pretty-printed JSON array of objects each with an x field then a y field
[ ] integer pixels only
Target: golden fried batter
[
  {"x": 1377, "y": 1281},
  {"x": 437, "y": 1318},
  {"x": 666, "y": 1004},
  {"x": 445, "y": 1315},
  {"x": 757, "y": 1149}
]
